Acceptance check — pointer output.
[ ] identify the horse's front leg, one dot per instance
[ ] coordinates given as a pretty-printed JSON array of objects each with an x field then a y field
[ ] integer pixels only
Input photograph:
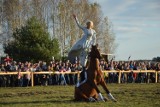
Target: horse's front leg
[
  {"x": 93, "y": 83},
  {"x": 103, "y": 84}
]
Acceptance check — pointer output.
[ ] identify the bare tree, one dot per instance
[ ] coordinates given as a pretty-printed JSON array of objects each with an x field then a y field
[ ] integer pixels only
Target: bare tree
[
  {"x": 107, "y": 37},
  {"x": 57, "y": 14}
]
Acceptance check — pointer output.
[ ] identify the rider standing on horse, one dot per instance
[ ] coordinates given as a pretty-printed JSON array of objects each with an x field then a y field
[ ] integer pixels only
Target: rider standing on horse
[
  {"x": 82, "y": 47},
  {"x": 81, "y": 50}
]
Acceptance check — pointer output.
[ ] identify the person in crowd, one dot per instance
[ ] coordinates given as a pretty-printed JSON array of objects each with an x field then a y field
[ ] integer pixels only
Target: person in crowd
[
  {"x": 112, "y": 76},
  {"x": 3, "y": 78},
  {"x": 106, "y": 67},
  {"x": 73, "y": 76},
  {"x": 158, "y": 69},
  {"x": 102, "y": 64},
  {"x": 62, "y": 79},
  {"x": 27, "y": 77},
  {"x": 135, "y": 68},
  {"x": 13, "y": 78},
  {"x": 68, "y": 69},
  {"x": 8, "y": 59},
  {"x": 44, "y": 77},
  {"x": 143, "y": 75},
  {"x": 20, "y": 78},
  {"x": 50, "y": 69},
  {"x": 78, "y": 68},
  {"x": 7, "y": 79},
  {"x": 130, "y": 75}
]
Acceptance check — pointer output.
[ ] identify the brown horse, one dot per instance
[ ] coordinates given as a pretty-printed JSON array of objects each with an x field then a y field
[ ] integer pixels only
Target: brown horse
[{"x": 88, "y": 90}]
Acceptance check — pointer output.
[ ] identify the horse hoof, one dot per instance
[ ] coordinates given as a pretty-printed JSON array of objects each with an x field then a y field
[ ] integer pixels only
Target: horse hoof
[
  {"x": 105, "y": 99},
  {"x": 91, "y": 99},
  {"x": 111, "y": 97},
  {"x": 114, "y": 100}
]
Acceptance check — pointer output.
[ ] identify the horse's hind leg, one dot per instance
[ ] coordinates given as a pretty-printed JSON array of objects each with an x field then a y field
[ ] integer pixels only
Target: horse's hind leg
[
  {"x": 79, "y": 95},
  {"x": 103, "y": 84},
  {"x": 93, "y": 84}
]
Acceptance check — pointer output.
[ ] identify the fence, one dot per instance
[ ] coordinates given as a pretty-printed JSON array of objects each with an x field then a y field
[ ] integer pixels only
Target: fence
[{"x": 78, "y": 73}]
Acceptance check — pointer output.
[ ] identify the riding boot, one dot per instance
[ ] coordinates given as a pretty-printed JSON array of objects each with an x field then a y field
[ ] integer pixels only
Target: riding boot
[{"x": 82, "y": 74}]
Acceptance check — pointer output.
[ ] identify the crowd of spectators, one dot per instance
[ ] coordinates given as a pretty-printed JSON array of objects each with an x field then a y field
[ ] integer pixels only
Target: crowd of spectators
[
  {"x": 39, "y": 79},
  {"x": 70, "y": 79},
  {"x": 130, "y": 66}
]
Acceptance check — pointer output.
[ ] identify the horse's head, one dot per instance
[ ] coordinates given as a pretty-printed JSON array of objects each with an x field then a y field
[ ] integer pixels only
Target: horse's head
[{"x": 95, "y": 53}]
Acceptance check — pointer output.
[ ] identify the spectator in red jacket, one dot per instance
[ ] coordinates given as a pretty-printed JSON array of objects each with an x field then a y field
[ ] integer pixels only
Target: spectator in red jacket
[{"x": 8, "y": 59}]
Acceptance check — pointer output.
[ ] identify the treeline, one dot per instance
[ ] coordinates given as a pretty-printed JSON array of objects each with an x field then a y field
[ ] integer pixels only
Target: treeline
[
  {"x": 156, "y": 59},
  {"x": 57, "y": 15}
]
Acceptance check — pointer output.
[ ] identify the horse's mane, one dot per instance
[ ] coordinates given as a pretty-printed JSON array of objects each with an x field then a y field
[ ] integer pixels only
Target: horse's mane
[
  {"x": 95, "y": 56},
  {"x": 94, "y": 52}
]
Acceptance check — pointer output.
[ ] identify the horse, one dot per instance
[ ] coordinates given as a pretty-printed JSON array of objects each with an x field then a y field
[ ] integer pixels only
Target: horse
[{"x": 88, "y": 90}]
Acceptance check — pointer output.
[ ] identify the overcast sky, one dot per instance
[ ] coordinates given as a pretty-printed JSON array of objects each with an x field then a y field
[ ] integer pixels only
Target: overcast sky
[{"x": 136, "y": 24}]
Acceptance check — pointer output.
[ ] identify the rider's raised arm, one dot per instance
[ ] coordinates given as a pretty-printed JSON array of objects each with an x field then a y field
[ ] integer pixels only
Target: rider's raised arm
[{"x": 80, "y": 26}]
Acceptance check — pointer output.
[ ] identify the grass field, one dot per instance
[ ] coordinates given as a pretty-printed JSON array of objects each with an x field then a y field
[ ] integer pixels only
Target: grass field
[{"x": 128, "y": 95}]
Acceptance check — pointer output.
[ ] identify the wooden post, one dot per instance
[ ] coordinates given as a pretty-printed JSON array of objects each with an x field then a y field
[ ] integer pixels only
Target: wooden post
[
  {"x": 119, "y": 77},
  {"x": 32, "y": 79},
  {"x": 148, "y": 77},
  {"x": 156, "y": 77}
]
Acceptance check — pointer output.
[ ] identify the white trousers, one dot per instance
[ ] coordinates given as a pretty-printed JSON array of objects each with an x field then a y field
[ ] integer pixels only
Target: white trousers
[{"x": 83, "y": 58}]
